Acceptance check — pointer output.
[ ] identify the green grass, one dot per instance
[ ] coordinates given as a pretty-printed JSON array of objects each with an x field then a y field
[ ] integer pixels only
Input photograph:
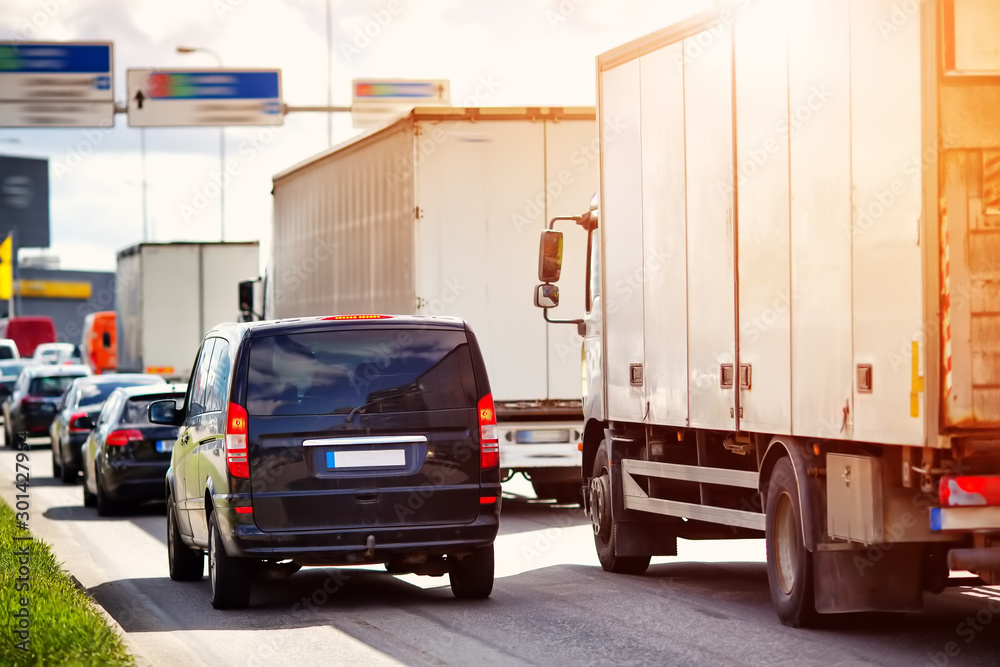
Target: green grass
[{"x": 65, "y": 628}]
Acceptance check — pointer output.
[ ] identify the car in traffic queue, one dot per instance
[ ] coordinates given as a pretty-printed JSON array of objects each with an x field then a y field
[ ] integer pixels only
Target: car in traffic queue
[
  {"x": 57, "y": 353},
  {"x": 8, "y": 349},
  {"x": 9, "y": 370},
  {"x": 333, "y": 441},
  {"x": 32, "y": 403},
  {"x": 125, "y": 457},
  {"x": 77, "y": 409},
  {"x": 28, "y": 332}
]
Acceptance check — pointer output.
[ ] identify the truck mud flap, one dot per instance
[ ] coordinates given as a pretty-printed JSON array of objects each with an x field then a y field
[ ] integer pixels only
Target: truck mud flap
[{"x": 879, "y": 578}]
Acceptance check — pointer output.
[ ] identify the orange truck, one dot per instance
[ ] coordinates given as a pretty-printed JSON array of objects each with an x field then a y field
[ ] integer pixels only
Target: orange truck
[{"x": 100, "y": 341}]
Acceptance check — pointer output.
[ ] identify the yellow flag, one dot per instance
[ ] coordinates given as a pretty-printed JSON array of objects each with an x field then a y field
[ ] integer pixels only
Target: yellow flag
[{"x": 6, "y": 268}]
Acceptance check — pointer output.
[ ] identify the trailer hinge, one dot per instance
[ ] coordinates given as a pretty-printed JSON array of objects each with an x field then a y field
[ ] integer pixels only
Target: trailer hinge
[{"x": 417, "y": 213}]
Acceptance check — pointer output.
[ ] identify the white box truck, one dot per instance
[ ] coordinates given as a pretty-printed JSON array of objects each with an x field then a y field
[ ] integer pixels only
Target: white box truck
[
  {"x": 433, "y": 214},
  {"x": 793, "y": 321},
  {"x": 168, "y": 295}
]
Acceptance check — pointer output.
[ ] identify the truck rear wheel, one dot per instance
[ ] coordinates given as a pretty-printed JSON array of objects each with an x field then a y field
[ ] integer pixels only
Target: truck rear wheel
[
  {"x": 789, "y": 563},
  {"x": 601, "y": 518}
]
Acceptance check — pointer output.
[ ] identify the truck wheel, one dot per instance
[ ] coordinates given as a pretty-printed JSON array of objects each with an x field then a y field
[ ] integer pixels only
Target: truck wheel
[
  {"x": 231, "y": 577},
  {"x": 789, "y": 563},
  {"x": 185, "y": 564},
  {"x": 472, "y": 578},
  {"x": 604, "y": 528}
]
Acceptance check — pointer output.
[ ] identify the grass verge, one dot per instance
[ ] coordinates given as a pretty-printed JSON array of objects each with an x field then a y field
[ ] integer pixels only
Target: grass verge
[{"x": 64, "y": 628}]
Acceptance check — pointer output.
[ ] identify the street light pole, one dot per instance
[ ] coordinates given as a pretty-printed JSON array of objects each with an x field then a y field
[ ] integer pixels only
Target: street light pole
[{"x": 222, "y": 145}]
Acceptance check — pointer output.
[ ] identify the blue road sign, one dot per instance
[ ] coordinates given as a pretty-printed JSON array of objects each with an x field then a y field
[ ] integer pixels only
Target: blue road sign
[{"x": 55, "y": 58}]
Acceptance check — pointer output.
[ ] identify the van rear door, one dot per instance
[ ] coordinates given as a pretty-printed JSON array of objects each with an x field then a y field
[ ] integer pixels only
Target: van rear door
[{"x": 363, "y": 427}]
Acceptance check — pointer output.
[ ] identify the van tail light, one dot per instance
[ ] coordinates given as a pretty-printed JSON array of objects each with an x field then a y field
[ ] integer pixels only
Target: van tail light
[
  {"x": 489, "y": 443},
  {"x": 122, "y": 437},
  {"x": 236, "y": 442},
  {"x": 74, "y": 427}
]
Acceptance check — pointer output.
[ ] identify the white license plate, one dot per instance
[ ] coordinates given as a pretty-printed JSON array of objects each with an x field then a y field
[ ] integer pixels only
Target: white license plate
[
  {"x": 376, "y": 458},
  {"x": 164, "y": 445}
]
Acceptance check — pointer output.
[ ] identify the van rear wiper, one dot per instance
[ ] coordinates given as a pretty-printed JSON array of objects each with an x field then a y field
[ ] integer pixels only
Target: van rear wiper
[{"x": 367, "y": 404}]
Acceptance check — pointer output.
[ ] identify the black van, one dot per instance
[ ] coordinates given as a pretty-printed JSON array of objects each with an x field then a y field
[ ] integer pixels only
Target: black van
[{"x": 332, "y": 441}]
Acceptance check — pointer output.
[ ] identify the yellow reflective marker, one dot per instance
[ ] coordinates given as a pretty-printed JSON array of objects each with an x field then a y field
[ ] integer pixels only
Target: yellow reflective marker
[
  {"x": 6, "y": 268},
  {"x": 916, "y": 380},
  {"x": 54, "y": 289}
]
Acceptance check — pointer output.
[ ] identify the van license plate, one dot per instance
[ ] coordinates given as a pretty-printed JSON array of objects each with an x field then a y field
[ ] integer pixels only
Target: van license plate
[
  {"x": 164, "y": 445},
  {"x": 374, "y": 458}
]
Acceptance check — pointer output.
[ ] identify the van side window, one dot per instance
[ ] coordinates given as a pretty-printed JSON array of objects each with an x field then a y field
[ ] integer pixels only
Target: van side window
[
  {"x": 199, "y": 377},
  {"x": 218, "y": 377}
]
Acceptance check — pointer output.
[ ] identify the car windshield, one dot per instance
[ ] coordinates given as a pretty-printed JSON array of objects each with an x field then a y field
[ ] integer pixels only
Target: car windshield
[
  {"x": 135, "y": 408},
  {"x": 351, "y": 371},
  {"x": 97, "y": 393},
  {"x": 52, "y": 385},
  {"x": 12, "y": 370}
]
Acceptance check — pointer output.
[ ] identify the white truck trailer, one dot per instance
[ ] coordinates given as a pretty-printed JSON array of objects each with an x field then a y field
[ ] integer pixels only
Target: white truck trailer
[
  {"x": 434, "y": 214},
  {"x": 793, "y": 297},
  {"x": 168, "y": 295}
]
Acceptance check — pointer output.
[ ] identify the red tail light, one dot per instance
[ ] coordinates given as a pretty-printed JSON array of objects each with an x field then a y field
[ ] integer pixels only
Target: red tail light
[
  {"x": 489, "y": 443},
  {"x": 236, "y": 442},
  {"x": 73, "y": 426},
  {"x": 122, "y": 437},
  {"x": 970, "y": 491}
]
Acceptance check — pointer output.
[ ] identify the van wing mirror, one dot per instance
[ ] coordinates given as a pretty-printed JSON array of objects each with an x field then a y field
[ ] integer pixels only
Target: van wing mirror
[
  {"x": 550, "y": 252},
  {"x": 547, "y": 296},
  {"x": 164, "y": 412}
]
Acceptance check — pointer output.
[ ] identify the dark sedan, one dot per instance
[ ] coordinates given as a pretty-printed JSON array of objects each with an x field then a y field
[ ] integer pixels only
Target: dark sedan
[
  {"x": 125, "y": 457},
  {"x": 32, "y": 405},
  {"x": 77, "y": 410},
  {"x": 9, "y": 370}
]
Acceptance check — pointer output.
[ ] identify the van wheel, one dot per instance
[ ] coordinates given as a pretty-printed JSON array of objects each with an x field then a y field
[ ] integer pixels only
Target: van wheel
[
  {"x": 231, "y": 577},
  {"x": 67, "y": 473},
  {"x": 789, "y": 563},
  {"x": 604, "y": 528},
  {"x": 472, "y": 578},
  {"x": 185, "y": 564}
]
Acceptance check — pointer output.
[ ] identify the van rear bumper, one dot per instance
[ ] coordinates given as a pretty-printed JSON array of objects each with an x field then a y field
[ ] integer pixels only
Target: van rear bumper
[{"x": 242, "y": 538}]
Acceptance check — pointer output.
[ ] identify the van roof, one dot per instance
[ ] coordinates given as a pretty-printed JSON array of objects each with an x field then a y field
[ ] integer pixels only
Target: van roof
[{"x": 298, "y": 324}]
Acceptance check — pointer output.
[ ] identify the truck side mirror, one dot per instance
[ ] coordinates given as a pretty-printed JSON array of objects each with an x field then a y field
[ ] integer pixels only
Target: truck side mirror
[
  {"x": 550, "y": 252},
  {"x": 547, "y": 296},
  {"x": 246, "y": 296}
]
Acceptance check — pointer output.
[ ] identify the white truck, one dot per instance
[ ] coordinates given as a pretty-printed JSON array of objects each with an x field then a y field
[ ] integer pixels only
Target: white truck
[
  {"x": 793, "y": 297},
  {"x": 168, "y": 295},
  {"x": 432, "y": 215}
]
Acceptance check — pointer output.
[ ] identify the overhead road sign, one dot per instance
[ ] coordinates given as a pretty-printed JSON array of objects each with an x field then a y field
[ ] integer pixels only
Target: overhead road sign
[
  {"x": 376, "y": 101},
  {"x": 56, "y": 84},
  {"x": 178, "y": 98}
]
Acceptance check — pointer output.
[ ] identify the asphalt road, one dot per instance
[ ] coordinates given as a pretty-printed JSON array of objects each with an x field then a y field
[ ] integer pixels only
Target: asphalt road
[{"x": 552, "y": 603}]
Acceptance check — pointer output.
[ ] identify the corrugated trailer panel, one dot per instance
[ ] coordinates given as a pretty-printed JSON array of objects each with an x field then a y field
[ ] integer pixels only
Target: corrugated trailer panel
[
  {"x": 222, "y": 267},
  {"x": 710, "y": 228},
  {"x": 344, "y": 230},
  {"x": 471, "y": 252},
  {"x": 171, "y": 325},
  {"x": 570, "y": 181},
  {"x": 621, "y": 209},
  {"x": 763, "y": 188},
  {"x": 887, "y": 190},
  {"x": 820, "y": 128},
  {"x": 128, "y": 303},
  {"x": 664, "y": 236}
]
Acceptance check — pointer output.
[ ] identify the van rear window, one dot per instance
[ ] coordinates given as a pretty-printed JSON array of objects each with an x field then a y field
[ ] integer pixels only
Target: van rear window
[{"x": 360, "y": 371}]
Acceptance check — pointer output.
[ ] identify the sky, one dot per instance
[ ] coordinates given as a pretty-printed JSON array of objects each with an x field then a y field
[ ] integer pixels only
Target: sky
[{"x": 493, "y": 53}]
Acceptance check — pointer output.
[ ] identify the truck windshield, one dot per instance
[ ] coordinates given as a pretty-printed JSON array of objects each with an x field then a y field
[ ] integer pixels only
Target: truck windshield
[{"x": 360, "y": 370}]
